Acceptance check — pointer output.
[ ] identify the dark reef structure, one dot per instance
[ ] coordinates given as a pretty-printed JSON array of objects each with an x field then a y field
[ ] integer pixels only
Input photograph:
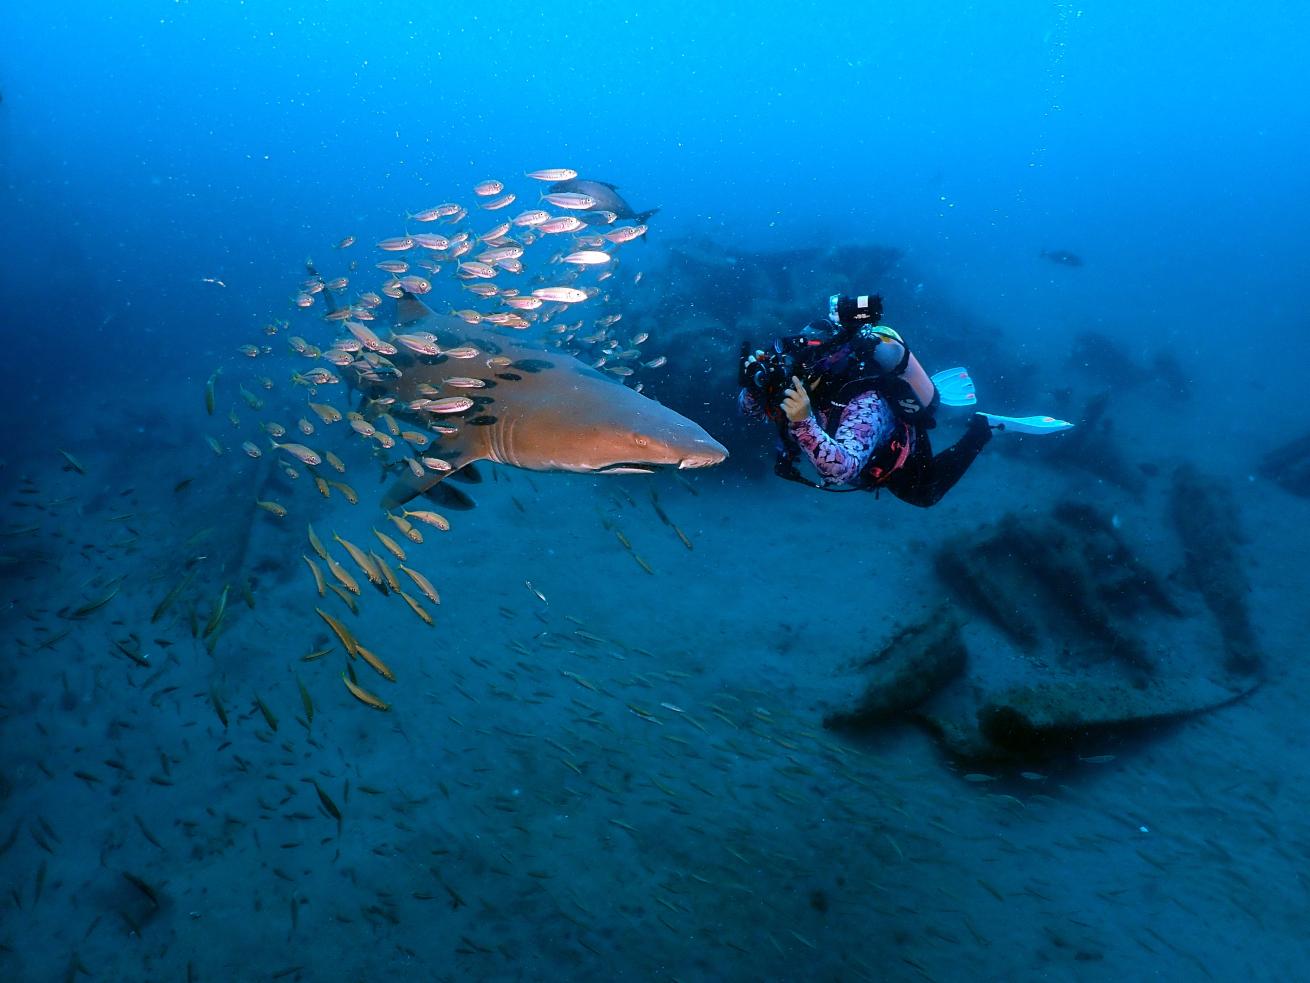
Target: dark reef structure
[
  {"x": 1027, "y": 723},
  {"x": 1091, "y": 355},
  {"x": 1288, "y": 466},
  {"x": 1093, "y": 445},
  {"x": 1070, "y": 575},
  {"x": 1205, "y": 515},
  {"x": 909, "y": 669},
  {"x": 1096, "y": 627}
]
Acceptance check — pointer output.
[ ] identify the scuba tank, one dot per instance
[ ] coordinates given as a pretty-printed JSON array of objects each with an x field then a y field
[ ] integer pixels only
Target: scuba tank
[{"x": 898, "y": 375}]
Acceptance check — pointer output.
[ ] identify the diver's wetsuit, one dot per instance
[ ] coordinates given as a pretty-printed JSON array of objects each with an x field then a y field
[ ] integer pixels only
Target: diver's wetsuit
[{"x": 867, "y": 428}]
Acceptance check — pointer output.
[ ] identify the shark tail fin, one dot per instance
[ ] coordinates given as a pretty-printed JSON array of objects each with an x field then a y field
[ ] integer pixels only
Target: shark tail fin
[{"x": 642, "y": 217}]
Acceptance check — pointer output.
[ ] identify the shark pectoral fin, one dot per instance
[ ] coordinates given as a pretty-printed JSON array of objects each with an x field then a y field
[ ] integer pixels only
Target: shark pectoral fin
[
  {"x": 408, "y": 487},
  {"x": 409, "y": 309},
  {"x": 449, "y": 497},
  {"x": 468, "y": 474}
]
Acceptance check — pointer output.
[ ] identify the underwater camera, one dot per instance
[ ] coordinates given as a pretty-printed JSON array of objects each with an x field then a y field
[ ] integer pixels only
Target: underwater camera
[{"x": 768, "y": 374}]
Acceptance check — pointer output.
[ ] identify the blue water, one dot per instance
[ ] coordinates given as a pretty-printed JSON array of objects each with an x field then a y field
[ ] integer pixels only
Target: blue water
[{"x": 630, "y": 779}]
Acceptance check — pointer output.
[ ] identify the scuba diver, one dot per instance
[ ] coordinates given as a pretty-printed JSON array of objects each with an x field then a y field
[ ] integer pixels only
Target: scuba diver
[{"x": 848, "y": 393}]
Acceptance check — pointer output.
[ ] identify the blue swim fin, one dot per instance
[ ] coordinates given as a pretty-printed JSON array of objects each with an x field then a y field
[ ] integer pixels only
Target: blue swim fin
[
  {"x": 955, "y": 387},
  {"x": 1027, "y": 424}
]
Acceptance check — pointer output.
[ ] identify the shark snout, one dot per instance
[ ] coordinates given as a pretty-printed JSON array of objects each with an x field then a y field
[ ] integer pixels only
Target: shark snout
[{"x": 707, "y": 453}]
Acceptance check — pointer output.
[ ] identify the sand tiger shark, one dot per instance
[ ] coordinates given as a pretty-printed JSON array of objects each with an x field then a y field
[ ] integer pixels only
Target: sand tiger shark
[{"x": 536, "y": 409}]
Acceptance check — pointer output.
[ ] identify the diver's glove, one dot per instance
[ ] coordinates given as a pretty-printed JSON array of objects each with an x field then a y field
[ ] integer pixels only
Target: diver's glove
[{"x": 979, "y": 431}]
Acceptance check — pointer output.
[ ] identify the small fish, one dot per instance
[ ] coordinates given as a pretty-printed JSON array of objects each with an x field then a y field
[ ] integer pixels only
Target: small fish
[
  {"x": 1061, "y": 257},
  {"x": 588, "y": 257},
  {"x": 570, "y": 199},
  {"x": 318, "y": 575},
  {"x": 626, "y": 234},
  {"x": 209, "y": 392},
  {"x": 412, "y": 534},
  {"x": 363, "y": 695},
  {"x": 335, "y": 462},
  {"x": 328, "y": 414},
  {"x": 361, "y": 560},
  {"x": 252, "y": 450},
  {"x": 435, "y": 519},
  {"x": 328, "y": 804},
  {"x": 272, "y": 507},
  {"x": 387, "y": 575},
  {"x": 346, "y": 580},
  {"x": 92, "y": 606},
  {"x": 448, "y": 404},
  {"x": 398, "y": 244},
  {"x": 553, "y": 174},
  {"x": 305, "y": 701},
  {"x": 563, "y": 295},
  {"x": 424, "y": 585},
  {"x": 345, "y": 243},
  {"x": 341, "y": 631},
  {"x": 1097, "y": 759},
  {"x": 348, "y": 493},
  {"x": 416, "y": 608},
  {"x": 299, "y": 451},
  {"x": 218, "y": 706},
  {"x": 532, "y": 217},
  {"x": 564, "y": 223},
  {"x": 378, "y": 665},
  {"x": 316, "y": 543},
  {"x": 390, "y": 545},
  {"x": 346, "y": 597},
  {"x": 267, "y": 713}
]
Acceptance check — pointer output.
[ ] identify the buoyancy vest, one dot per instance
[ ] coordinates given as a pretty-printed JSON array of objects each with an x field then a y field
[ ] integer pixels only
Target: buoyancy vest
[{"x": 876, "y": 359}]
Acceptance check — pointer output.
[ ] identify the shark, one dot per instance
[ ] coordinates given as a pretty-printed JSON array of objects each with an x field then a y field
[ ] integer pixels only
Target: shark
[
  {"x": 605, "y": 198},
  {"x": 531, "y": 407}
]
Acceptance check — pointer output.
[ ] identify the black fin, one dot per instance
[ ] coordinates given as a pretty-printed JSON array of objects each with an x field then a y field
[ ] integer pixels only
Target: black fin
[
  {"x": 468, "y": 474},
  {"x": 451, "y": 498},
  {"x": 409, "y": 308},
  {"x": 641, "y": 217}
]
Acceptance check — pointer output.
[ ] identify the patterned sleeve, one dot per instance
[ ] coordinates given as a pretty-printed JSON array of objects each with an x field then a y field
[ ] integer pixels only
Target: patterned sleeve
[
  {"x": 865, "y": 425},
  {"x": 749, "y": 404}
]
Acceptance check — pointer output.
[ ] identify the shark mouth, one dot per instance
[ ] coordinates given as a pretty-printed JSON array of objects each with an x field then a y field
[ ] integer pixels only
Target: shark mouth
[{"x": 630, "y": 467}]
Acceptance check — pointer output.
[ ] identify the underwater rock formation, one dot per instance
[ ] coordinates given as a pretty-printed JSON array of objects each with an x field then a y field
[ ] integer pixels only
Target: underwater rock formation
[
  {"x": 1088, "y": 613},
  {"x": 1092, "y": 446},
  {"x": 1288, "y": 466},
  {"x": 1026, "y": 723},
  {"x": 913, "y": 666},
  {"x": 1090, "y": 355},
  {"x": 1069, "y": 576},
  {"x": 1205, "y": 515}
]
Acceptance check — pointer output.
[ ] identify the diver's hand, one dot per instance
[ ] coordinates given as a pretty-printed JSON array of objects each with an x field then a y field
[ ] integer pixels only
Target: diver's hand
[{"x": 796, "y": 403}]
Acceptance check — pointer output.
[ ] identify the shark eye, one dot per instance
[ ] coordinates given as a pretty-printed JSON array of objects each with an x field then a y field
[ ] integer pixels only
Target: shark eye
[{"x": 641, "y": 441}]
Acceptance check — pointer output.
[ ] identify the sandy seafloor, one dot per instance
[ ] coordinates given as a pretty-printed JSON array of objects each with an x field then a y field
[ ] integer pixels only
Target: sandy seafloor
[{"x": 506, "y": 821}]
